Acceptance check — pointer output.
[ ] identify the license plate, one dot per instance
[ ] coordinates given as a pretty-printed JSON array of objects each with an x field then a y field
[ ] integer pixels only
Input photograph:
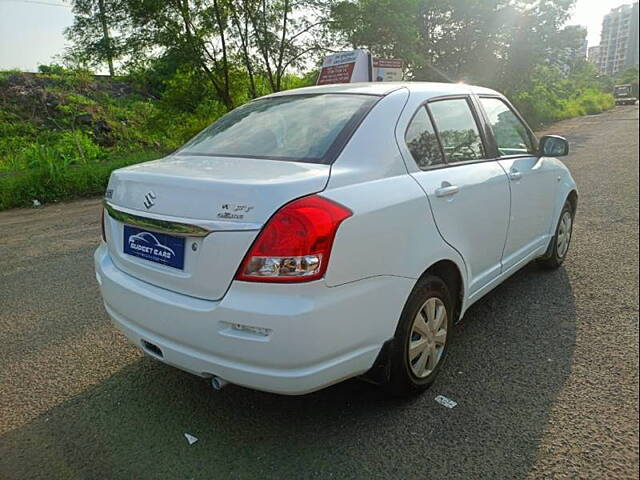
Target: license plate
[{"x": 155, "y": 247}]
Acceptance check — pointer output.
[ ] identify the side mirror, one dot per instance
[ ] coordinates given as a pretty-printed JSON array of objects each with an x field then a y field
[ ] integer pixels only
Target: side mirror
[{"x": 553, "y": 146}]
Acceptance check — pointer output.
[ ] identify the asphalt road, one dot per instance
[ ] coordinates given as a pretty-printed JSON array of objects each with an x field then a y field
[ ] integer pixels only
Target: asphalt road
[{"x": 544, "y": 369}]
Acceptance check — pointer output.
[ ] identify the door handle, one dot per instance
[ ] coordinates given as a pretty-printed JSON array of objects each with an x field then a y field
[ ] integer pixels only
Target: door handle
[
  {"x": 515, "y": 174},
  {"x": 446, "y": 190}
]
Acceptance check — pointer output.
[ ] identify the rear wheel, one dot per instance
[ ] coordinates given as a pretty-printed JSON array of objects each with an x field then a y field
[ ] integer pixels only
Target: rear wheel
[
  {"x": 561, "y": 240},
  {"x": 423, "y": 334}
]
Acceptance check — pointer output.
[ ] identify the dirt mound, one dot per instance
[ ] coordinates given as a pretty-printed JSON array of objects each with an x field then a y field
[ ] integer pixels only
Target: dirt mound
[
  {"x": 64, "y": 101},
  {"x": 21, "y": 83}
]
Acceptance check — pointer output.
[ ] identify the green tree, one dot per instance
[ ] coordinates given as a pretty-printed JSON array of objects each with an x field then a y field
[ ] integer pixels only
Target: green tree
[
  {"x": 191, "y": 33},
  {"x": 225, "y": 41},
  {"x": 495, "y": 42},
  {"x": 92, "y": 32},
  {"x": 273, "y": 36},
  {"x": 629, "y": 76}
]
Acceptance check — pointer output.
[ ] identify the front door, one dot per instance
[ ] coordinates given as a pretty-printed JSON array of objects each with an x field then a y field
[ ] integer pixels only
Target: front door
[{"x": 532, "y": 185}]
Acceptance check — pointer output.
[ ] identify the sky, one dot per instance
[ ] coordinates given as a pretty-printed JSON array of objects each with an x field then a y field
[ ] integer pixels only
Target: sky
[{"x": 31, "y": 31}]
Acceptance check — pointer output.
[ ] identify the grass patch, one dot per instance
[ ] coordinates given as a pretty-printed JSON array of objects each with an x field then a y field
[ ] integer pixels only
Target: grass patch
[
  {"x": 62, "y": 133},
  {"x": 56, "y": 181}
]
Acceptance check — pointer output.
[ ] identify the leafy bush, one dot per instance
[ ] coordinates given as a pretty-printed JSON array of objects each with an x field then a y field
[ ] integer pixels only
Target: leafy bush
[
  {"x": 53, "y": 68},
  {"x": 77, "y": 147},
  {"x": 594, "y": 102},
  {"x": 551, "y": 97}
]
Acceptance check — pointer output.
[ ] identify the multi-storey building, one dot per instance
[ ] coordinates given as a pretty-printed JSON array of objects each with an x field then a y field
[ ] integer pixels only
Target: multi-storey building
[
  {"x": 619, "y": 40},
  {"x": 582, "y": 50},
  {"x": 593, "y": 55}
]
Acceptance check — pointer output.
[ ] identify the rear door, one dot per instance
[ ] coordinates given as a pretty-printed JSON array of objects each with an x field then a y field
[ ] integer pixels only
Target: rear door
[
  {"x": 532, "y": 182},
  {"x": 468, "y": 194}
]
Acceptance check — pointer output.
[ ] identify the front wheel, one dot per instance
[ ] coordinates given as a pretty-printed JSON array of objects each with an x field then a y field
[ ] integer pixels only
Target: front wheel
[
  {"x": 561, "y": 240},
  {"x": 422, "y": 337}
]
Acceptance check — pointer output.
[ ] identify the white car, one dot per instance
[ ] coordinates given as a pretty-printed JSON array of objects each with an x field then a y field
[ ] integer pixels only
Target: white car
[{"x": 331, "y": 232}]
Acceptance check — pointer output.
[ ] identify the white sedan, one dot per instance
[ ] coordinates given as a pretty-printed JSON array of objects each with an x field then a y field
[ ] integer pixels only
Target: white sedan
[{"x": 331, "y": 232}]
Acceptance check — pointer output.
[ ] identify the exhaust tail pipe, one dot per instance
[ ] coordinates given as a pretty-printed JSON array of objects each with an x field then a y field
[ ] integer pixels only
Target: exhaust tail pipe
[{"x": 218, "y": 383}]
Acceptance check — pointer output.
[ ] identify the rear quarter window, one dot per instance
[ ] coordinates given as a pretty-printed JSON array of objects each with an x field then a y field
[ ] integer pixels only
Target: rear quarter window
[{"x": 422, "y": 141}]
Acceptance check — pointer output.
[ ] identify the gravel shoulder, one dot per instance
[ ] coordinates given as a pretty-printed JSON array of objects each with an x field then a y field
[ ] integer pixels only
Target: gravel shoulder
[{"x": 544, "y": 369}]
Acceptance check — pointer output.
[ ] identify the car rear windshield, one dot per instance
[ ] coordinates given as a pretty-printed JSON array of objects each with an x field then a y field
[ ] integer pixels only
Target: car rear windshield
[{"x": 307, "y": 128}]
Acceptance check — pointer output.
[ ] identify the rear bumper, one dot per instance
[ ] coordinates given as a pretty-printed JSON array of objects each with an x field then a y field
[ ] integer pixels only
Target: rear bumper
[{"x": 308, "y": 335}]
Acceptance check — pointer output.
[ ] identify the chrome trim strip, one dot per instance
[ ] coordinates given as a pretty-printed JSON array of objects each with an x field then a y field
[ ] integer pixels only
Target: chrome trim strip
[
  {"x": 155, "y": 224},
  {"x": 180, "y": 226}
]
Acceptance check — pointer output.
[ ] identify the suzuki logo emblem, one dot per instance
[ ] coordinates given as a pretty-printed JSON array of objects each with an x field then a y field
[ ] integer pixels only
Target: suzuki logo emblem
[{"x": 149, "y": 200}]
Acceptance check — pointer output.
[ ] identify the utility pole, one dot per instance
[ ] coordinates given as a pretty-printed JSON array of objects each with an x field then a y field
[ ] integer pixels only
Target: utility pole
[{"x": 105, "y": 36}]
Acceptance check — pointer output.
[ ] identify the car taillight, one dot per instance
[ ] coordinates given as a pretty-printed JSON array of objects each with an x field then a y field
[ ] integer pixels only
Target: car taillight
[
  {"x": 104, "y": 235},
  {"x": 295, "y": 244}
]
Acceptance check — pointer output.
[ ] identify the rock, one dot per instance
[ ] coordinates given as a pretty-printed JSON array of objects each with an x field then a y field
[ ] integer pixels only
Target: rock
[{"x": 84, "y": 119}]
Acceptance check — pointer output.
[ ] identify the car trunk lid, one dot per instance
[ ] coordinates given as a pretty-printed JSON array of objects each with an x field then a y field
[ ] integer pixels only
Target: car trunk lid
[{"x": 203, "y": 214}]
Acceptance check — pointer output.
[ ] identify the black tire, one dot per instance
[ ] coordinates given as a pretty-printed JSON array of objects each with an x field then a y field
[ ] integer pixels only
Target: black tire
[
  {"x": 554, "y": 258},
  {"x": 402, "y": 381}
]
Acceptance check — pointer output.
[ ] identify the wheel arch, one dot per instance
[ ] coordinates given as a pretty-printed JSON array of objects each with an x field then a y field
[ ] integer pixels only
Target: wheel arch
[
  {"x": 451, "y": 274},
  {"x": 572, "y": 198}
]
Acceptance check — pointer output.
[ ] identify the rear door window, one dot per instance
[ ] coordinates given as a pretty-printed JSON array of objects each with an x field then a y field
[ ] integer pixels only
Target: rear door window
[
  {"x": 422, "y": 141},
  {"x": 512, "y": 136},
  {"x": 308, "y": 128},
  {"x": 458, "y": 129}
]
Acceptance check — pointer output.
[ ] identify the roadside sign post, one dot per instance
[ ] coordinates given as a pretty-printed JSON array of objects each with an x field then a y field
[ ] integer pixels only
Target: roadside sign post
[
  {"x": 346, "y": 67},
  {"x": 358, "y": 66},
  {"x": 387, "y": 70}
]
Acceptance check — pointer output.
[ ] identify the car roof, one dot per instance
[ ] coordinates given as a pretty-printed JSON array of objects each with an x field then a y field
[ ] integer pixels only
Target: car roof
[{"x": 432, "y": 89}]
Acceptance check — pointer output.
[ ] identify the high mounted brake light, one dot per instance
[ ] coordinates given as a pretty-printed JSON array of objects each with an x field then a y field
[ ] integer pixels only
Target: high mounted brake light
[{"x": 295, "y": 244}]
